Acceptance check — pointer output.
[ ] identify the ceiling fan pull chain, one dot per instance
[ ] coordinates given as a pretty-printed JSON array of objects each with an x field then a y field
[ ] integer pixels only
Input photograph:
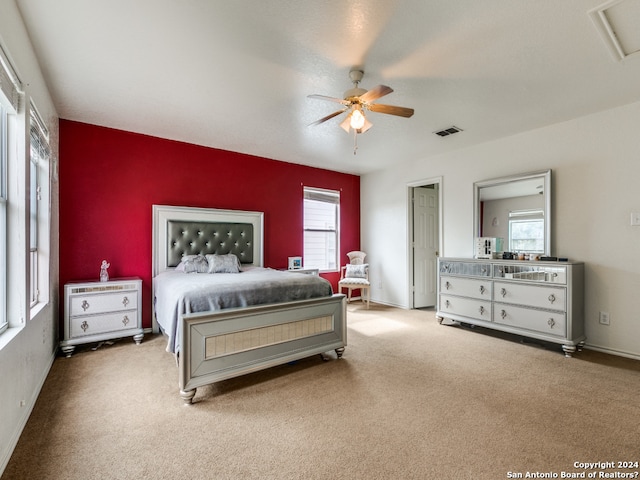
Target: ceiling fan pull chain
[{"x": 355, "y": 141}]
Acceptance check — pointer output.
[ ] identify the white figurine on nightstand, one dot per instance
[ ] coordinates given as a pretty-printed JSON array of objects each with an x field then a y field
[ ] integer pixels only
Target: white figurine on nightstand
[{"x": 104, "y": 275}]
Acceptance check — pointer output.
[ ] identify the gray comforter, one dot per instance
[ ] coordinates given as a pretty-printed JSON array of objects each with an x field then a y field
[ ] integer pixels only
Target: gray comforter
[{"x": 178, "y": 293}]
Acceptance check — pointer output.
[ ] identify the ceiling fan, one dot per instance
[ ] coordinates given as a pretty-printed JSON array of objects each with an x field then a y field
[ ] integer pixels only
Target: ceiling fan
[{"x": 356, "y": 100}]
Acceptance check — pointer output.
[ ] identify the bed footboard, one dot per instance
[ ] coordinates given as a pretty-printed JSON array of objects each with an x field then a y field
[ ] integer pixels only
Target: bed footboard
[{"x": 229, "y": 343}]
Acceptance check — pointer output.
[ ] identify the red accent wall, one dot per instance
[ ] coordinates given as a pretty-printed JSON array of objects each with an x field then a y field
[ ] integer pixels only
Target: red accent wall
[{"x": 109, "y": 179}]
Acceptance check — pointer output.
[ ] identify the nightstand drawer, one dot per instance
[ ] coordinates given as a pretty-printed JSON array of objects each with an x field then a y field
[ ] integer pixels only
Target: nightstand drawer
[
  {"x": 108, "y": 322},
  {"x": 103, "y": 302}
]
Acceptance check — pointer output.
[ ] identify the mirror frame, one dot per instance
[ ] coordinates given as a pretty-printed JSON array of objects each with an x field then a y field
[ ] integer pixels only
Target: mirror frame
[{"x": 543, "y": 174}]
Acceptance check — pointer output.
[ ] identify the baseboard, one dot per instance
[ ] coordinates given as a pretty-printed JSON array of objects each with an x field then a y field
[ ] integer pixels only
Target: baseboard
[
  {"x": 13, "y": 442},
  {"x": 611, "y": 351},
  {"x": 388, "y": 304}
]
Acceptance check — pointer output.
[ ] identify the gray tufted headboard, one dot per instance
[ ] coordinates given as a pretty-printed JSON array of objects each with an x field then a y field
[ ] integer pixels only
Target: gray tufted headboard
[
  {"x": 181, "y": 231},
  {"x": 192, "y": 238}
]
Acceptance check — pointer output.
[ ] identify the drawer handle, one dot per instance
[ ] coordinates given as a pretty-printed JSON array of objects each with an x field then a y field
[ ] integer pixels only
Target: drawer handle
[
  {"x": 552, "y": 298},
  {"x": 125, "y": 301},
  {"x": 481, "y": 310},
  {"x": 503, "y": 292},
  {"x": 551, "y": 322},
  {"x": 483, "y": 270},
  {"x": 84, "y": 326},
  {"x": 85, "y": 305},
  {"x": 446, "y": 303},
  {"x": 447, "y": 285},
  {"x": 482, "y": 289},
  {"x": 125, "y": 320},
  {"x": 503, "y": 314}
]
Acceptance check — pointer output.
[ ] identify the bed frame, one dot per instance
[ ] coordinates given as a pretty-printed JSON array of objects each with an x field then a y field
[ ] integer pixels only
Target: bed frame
[{"x": 228, "y": 343}]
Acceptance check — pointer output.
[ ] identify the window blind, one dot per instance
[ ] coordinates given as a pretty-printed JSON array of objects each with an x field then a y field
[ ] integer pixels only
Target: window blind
[
  {"x": 10, "y": 85},
  {"x": 320, "y": 195}
]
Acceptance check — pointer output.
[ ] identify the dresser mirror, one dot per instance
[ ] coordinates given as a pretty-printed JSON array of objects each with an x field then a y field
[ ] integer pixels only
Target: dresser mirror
[{"x": 517, "y": 209}]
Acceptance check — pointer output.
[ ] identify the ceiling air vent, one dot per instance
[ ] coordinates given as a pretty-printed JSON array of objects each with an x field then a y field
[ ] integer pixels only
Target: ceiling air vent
[
  {"x": 448, "y": 131},
  {"x": 617, "y": 24}
]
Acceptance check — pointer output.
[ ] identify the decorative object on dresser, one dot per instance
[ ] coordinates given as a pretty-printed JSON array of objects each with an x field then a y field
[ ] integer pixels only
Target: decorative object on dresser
[
  {"x": 295, "y": 263},
  {"x": 541, "y": 300},
  {"x": 355, "y": 276},
  {"x": 99, "y": 311},
  {"x": 104, "y": 274}
]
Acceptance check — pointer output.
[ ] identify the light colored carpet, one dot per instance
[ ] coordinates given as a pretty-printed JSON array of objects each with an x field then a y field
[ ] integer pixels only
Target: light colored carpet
[{"x": 410, "y": 399}]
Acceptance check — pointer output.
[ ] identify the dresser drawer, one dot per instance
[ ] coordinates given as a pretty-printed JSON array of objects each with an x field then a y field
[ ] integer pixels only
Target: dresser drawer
[
  {"x": 107, "y": 322},
  {"x": 549, "y": 323},
  {"x": 472, "y": 269},
  {"x": 467, "y": 307},
  {"x": 538, "y": 296},
  {"x": 466, "y": 287},
  {"x": 103, "y": 302}
]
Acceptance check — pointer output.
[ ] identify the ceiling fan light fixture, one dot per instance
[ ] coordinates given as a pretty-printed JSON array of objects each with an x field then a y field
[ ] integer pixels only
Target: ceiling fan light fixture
[
  {"x": 346, "y": 123},
  {"x": 357, "y": 119},
  {"x": 367, "y": 125}
]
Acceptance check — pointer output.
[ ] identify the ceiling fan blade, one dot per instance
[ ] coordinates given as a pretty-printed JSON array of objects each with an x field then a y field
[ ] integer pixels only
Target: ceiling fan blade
[
  {"x": 328, "y": 117},
  {"x": 375, "y": 93},
  {"x": 391, "y": 110},
  {"x": 331, "y": 99}
]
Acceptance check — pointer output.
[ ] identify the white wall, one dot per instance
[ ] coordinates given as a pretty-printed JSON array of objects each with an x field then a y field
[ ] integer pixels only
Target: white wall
[
  {"x": 595, "y": 162},
  {"x": 28, "y": 348}
]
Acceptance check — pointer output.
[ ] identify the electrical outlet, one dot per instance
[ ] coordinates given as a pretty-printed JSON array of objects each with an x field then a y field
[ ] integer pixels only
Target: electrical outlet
[{"x": 604, "y": 318}]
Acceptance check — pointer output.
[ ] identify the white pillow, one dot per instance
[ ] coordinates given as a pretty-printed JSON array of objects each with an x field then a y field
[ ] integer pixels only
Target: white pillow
[
  {"x": 356, "y": 271},
  {"x": 193, "y": 264},
  {"x": 228, "y": 263}
]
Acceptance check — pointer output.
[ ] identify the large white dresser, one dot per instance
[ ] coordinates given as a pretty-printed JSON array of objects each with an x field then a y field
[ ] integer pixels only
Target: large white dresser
[{"x": 542, "y": 300}]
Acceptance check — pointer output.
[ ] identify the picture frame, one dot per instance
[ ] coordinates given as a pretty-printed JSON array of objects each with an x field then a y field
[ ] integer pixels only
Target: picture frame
[{"x": 295, "y": 263}]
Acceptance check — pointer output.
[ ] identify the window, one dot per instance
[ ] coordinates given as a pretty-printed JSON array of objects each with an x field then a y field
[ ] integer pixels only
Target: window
[
  {"x": 3, "y": 217},
  {"x": 15, "y": 203},
  {"x": 9, "y": 102},
  {"x": 526, "y": 231},
  {"x": 321, "y": 227},
  {"x": 38, "y": 214}
]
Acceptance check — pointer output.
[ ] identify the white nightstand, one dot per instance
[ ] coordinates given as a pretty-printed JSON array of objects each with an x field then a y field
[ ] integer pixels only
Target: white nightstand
[
  {"x": 308, "y": 271},
  {"x": 98, "y": 311}
]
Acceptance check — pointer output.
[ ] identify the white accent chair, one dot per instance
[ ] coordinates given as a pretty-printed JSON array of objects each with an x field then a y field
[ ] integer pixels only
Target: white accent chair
[{"x": 355, "y": 276}]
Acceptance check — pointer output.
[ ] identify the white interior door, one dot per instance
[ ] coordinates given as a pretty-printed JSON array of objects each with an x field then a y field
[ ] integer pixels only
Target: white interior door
[{"x": 425, "y": 246}]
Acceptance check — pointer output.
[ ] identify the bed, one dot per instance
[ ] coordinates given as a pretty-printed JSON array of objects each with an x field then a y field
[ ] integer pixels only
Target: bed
[{"x": 222, "y": 325}]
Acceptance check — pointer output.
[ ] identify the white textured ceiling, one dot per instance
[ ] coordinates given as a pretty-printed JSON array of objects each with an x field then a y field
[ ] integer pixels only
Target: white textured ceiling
[{"x": 236, "y": 74}]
